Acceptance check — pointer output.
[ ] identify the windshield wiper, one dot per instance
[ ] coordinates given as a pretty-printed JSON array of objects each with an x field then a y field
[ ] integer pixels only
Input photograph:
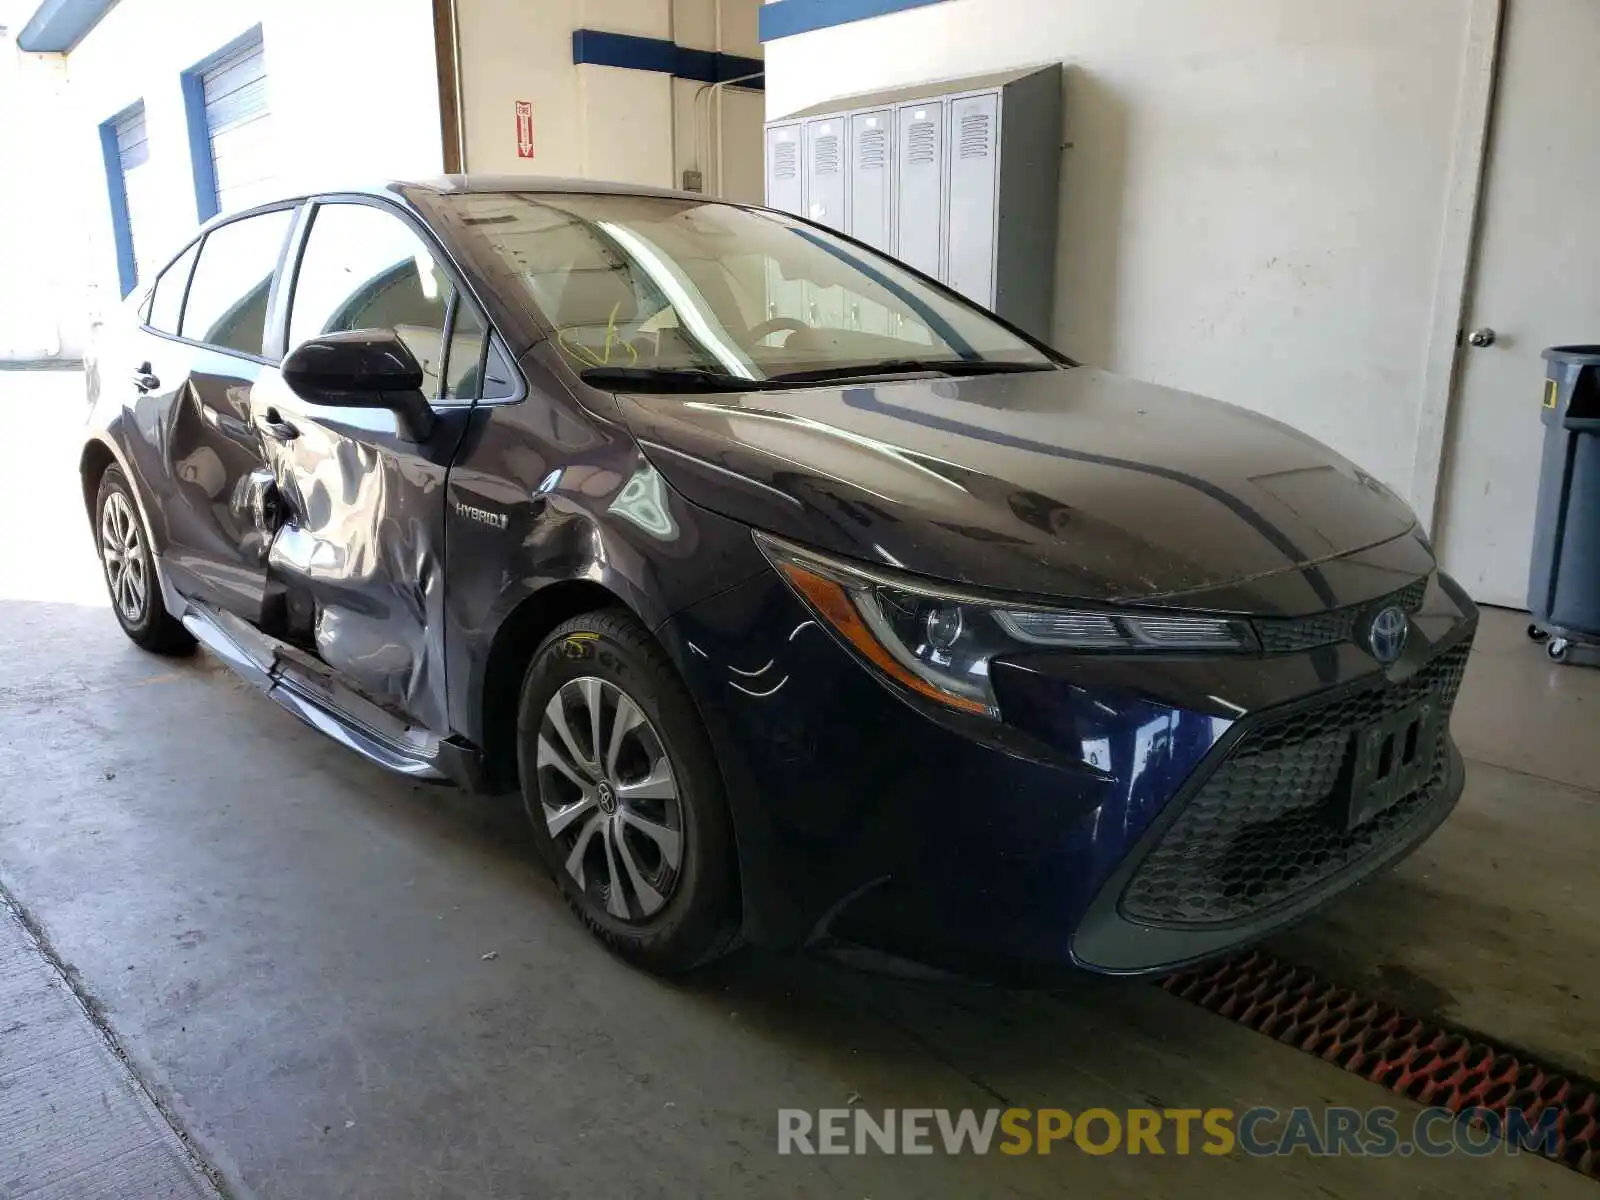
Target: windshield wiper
[
  {"x": 668, "y": 379},
  {"x": 907, "y": 366}
]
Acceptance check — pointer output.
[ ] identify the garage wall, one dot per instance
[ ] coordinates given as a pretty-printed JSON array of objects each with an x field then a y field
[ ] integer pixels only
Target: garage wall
[
  {"x": 599, "y": 122},
  {"x": 40, "y": 243},
  {"x": 352, "y": 86},
  {"x": 1254, "y": 192}
]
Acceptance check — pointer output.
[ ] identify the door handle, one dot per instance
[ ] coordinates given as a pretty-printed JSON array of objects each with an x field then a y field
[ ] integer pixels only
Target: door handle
[
  {"x": 273, "y": 422},
  {"x": 1482, "y": 337},
  {"x": 143, "y": 379}
]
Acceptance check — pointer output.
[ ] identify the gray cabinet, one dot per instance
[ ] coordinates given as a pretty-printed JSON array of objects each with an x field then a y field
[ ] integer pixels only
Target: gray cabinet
[
  {"x": 825, "y": 171},
  {"x": 785, "y": 189},
  {"x": 973, "y": 177},
  {"x": 919, "y": 155},
  {"x": 960, "y": 180},
  {"x": 871, "y": 178}
]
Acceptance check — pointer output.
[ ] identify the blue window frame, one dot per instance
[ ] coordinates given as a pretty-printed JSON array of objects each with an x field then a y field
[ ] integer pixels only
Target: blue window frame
[
  {"x": 224, "y": 97},
  {"x": 125, "y": 147}
]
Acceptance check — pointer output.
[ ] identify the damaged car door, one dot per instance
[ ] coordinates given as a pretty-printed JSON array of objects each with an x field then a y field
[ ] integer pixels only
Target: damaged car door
[
  {"x": 211, "y": 452},
  {"x": 359, "y": 551}
]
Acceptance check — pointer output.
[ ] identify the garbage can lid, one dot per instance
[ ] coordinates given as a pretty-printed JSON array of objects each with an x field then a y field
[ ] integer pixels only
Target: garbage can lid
[{"x": 1581, "y": 356}]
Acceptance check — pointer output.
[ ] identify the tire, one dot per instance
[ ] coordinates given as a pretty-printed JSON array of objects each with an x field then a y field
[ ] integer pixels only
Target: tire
[
  {"x": 1537, "y": 633},
  {"x": 1559, "y": 649},
  {"x": 642, "y": 852},
  {"x": 126, "y": 562}
]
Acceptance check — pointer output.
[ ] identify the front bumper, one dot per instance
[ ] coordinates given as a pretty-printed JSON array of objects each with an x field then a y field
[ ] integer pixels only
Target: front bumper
[{"x": 1093, "y": 827}]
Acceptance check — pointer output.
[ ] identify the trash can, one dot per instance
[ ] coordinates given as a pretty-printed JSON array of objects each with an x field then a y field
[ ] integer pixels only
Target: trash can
[{"x": 1564, "y": 574}]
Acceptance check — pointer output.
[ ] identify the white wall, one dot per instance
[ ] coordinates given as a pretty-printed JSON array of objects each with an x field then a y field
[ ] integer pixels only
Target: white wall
[
  {"x": 352, "y": 86},
  {"x": 605, "y": 122},
  {"x": 1254, "y": 192},
  {"x": 40, "y": 244}
]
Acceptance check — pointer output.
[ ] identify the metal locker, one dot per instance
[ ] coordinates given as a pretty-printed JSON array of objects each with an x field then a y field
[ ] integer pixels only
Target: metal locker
[
  {"x": 973, "y": 176},
  {"x": 872, "y": 178},
  {"x": 785, "y": 186},
  {"x": 920, "y": 153},
  {"x": 824, "y": 171},
  {"x": 959, "y": 178}
]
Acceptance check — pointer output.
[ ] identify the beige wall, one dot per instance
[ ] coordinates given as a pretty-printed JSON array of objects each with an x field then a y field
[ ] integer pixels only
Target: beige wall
[
  {"x": 1259, "y": 198},
  {"x": 604, "y": 122}
]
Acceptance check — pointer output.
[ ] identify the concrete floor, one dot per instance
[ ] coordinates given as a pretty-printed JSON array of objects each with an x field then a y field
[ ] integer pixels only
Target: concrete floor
[{"x": 286, "y": 946}]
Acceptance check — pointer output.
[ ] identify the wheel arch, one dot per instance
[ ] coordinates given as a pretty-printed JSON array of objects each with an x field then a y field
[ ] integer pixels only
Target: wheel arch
[
  {"x": 96, "y": 458},
  {"x": 516, "y": 639}
]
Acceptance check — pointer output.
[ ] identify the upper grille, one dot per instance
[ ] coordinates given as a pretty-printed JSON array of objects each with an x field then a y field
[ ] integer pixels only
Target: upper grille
[
  {"x": 1284, "y": 635},
  {"x": 1259, "y": 832}
]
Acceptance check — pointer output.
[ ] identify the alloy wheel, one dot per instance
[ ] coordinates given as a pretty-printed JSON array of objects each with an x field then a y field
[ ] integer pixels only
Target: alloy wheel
[
  {"x": 610, "y": 798},
  {"x": 123, "y": 553}
]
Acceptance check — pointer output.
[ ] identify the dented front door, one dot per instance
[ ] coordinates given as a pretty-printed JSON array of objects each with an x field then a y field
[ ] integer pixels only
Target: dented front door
[{"x": 359, "y": 552}]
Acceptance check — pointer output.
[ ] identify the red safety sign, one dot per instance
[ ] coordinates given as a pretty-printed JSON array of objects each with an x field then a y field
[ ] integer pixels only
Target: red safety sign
[{"x": 524, "y": 129}]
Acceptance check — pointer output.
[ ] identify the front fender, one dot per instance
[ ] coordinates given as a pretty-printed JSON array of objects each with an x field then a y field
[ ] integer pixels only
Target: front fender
[{"x": 535, "y": 526}]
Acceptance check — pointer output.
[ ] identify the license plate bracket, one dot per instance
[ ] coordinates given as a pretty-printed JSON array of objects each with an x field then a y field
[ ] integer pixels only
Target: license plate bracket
[{"x": 1393, "y": 758}]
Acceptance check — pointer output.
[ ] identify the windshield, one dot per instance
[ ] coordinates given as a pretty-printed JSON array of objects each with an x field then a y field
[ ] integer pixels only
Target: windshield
[{"x": 640, "y": 284}]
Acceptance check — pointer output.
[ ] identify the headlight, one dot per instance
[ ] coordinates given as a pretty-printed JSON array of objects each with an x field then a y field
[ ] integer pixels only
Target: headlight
[{"x": 938, "y": 641}]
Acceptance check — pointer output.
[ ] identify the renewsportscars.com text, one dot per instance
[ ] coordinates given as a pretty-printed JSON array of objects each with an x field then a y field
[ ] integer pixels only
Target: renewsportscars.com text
[{"x": 1257, "y": 1132}]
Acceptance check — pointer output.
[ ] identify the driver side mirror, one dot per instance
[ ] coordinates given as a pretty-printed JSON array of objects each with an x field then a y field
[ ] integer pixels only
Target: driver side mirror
[{"x": 362, "y": 368}]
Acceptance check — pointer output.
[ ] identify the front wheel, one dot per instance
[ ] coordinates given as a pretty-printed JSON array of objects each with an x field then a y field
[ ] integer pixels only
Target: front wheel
[
  {"x": 626, "y": 801},
  {"x": 130, "y": 573}
]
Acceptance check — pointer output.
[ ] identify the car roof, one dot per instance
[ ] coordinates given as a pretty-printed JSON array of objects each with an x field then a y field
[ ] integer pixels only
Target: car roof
[
  {"x": 450, "y": 185},
  {"x": 415, "y": 193}
]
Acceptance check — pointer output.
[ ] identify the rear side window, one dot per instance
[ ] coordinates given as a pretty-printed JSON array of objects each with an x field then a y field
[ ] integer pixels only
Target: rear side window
[
  {"x": 227, "y": 305},
  {"x": 166, "y": 303},
  {"x": 364, "y": 268}
]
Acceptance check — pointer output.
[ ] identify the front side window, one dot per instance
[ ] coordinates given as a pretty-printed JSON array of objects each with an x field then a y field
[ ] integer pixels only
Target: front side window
[
  {"x": 647, "y": 282},
  {"x": 477, "y": 367},
  {"x": 364, "y": 268},
  {"x": 227, "y": 305},
  {"x": 166, "y": 302}
]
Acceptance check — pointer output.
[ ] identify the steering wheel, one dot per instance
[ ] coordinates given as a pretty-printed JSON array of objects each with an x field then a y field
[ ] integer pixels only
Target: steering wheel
[{"x": 777, "y": 325}]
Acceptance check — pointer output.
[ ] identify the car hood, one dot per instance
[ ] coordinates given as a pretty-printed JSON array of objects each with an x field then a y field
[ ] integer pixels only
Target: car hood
[{"x": 1060, "y": 483}]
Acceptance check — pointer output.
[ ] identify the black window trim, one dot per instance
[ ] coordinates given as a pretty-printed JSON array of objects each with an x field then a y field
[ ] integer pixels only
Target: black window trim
[
  {"x": 447, "y": 263},
  {"x": 183, "y": 300},
  {"x": 277, "y": 274}
]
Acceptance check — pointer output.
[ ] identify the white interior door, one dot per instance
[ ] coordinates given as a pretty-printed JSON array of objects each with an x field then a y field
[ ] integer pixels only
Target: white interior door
[{"x": 1537, "y": 285}]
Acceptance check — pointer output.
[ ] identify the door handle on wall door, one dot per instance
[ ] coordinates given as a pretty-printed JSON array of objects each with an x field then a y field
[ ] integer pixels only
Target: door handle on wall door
[
  {"x": 1482, "y": 337},
  {"x": 143, "y": 379}
]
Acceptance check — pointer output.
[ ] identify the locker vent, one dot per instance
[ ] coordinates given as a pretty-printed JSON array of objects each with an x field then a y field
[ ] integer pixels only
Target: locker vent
[
  {"x": 827, "y": 154},
  {"x": 872, "y": 149},
  {"x": 974, "y": 136},
  {"x": 922, "y": 144},
  {"x": 785, "y": 161}
]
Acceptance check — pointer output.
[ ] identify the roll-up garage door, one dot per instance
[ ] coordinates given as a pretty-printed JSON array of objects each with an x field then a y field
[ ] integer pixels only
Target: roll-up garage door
[
  {"x": 239, "y": 126},
  {"x": 140, "y": 187}
]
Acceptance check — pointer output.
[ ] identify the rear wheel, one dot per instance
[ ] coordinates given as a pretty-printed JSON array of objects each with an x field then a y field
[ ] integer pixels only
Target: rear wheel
[
  {"x": 129, "y": 568},
  {"x": 625, "y": 797}
]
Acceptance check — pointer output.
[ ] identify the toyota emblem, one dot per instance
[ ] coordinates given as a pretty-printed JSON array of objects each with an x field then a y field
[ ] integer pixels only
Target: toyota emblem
[{"x": 1387, "y": 636}]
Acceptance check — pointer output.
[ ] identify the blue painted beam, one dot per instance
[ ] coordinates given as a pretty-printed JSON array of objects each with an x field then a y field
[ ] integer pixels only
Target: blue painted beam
[
  {"x": 785, "y": 18},
  {"x": 206, "y": 200},
  {"x": 56, "y": 26},
  {"x": 599, "y": 48}
]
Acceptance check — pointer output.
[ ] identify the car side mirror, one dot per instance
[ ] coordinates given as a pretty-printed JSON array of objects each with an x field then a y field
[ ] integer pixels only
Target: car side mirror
[{"x": 362, "y": 368}]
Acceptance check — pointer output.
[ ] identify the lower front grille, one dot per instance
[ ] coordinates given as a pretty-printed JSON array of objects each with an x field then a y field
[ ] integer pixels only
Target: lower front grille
[{"x": 1262, "y": 830}]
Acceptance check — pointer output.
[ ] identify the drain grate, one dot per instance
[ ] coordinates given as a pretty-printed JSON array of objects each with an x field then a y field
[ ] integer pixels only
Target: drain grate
[{"x": 1433, "y": 1065}]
